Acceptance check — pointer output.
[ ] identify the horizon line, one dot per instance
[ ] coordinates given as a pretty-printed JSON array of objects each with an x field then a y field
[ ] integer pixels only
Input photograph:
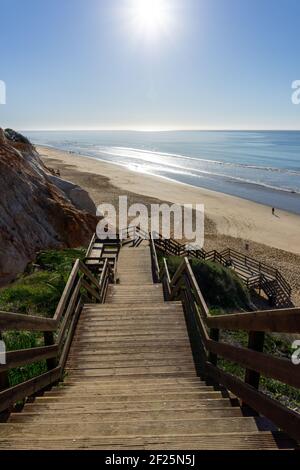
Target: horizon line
[{"x": 191, "y": 129}]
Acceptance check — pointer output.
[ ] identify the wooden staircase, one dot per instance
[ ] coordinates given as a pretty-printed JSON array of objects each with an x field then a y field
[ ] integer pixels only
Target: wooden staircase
[
  {"x": 254, "y": 274},
  {"x": 276, "y": 295},
  {"x": 131, "y": 381}
]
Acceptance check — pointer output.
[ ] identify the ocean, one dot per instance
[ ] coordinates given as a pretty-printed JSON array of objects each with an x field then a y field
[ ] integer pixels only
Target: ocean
[{"x": 262, "y": 166}]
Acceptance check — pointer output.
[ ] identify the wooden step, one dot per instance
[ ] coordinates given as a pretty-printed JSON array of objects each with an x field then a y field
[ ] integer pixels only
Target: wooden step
[
  {"x": 119, "y": 312},
  {"x": 110, "y": 335},
  {"x": 156, "y": 305},
  {"x": 179, "y": 371},
  {"x": 72, "y": 375},
  {"x": 152, "y": 356},
  {"x": 109, "y": 324},
  {"x": 137, "y": 383},
  {"x": 87, "y": 391},
  {"x": 117, "y": 416},
  {"x": 116, "y": 348},
  {"x": 129, "y": 341},
  {"x": 131, "y": 314},
  {"x": 61, "y": 406},
  {"x": 187, "y": 364},
  {"x": 132, "y": 397},
  {"x": 123, "y": 429},
  {"x": 205, "y": 441},
  {"x": 124, "y": 388},
  {"x": 120, "y": 299},
  {"x": 149, "y": 287},
  {"x": 134, "y": 279},
  {"x": 86, "y": 364}
]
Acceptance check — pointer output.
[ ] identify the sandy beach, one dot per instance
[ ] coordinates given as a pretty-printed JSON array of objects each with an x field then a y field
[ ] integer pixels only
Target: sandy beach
[{"x": 230, "y": 221}]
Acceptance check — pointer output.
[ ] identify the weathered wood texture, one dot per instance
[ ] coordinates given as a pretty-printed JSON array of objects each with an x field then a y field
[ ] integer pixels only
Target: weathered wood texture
[
  {"x": 131, "y": 372},
  {"x": 131, "y": 379}
]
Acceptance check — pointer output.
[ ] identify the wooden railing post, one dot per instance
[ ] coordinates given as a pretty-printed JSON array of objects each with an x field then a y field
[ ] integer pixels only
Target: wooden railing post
[
  {"x": 49, "y": 341},
  {"x": 255, "y": 342},
  {"x": 214, "y": 334}
]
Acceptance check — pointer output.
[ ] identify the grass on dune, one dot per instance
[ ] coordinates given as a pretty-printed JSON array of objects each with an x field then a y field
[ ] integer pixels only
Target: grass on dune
[
  {"x": 222, "y": 287},
  {"x": 36, "y": 292},
  {"x": 39, "y": 289}
]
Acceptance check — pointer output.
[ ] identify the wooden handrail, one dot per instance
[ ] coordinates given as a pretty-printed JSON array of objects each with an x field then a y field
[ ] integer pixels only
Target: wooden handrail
[
  {"x": 280, "y": 415},
  {"x": 55, "y": 352},
  {"x": 280, "y": 369},
  {"x": 28, "y": 356},
  {"x": 272, "y": 321},
  {"x": 21, "y": 322},
  {"x": 184, "y": 285},
  {"x": 261, "y": 267},
  {"x": 242, "y": 263},
  {"x": 25, "y": 389},
  {"x": 88, "y": 251},
  {"x": 65, "y": 295}
]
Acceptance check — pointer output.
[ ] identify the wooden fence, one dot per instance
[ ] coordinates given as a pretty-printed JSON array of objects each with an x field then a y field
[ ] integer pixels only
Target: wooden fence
[
  {"x": 58, "y": 333},
  {"x": 205, "y": 330}
]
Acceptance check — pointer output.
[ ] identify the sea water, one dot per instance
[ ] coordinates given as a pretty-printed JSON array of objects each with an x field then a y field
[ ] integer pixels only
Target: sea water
[{"x": 262, "y": 166}]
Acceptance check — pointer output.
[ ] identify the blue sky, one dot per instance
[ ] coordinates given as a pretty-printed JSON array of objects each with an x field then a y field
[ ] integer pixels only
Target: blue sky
[{"x": 215, "y": 64}]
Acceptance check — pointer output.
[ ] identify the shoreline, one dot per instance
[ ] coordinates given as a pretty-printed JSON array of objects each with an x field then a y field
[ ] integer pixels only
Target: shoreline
[
  {"x": 166, "y": 178},
  {"x": 232, "y": 216}
]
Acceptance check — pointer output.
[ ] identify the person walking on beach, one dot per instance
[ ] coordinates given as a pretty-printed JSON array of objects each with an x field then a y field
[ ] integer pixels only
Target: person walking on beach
[{"x": 273, "y": 211}]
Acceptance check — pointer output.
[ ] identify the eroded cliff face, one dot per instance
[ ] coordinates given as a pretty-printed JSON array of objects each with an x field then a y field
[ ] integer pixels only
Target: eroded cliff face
[{"x": 37, "y": 210}]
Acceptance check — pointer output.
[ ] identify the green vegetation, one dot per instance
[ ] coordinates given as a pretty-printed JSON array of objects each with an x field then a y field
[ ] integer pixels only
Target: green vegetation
[
  {"x": 15, "y": 340},
  {"x": 275, "y": 345},
  {"x": 39, "y": 289},
  {"x": 221, "y": 287},
  {"x": 36, "y": 292}
]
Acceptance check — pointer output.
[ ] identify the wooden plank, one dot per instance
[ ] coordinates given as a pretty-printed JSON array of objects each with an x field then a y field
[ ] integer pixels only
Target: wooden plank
[
  {"x": 88, "y": 274},
  {"x": 19, "y": 322},
  {"x": 90, "y": 289},
  {"x": 206, "y": 441},
  {"x": 280, "y": 415},
  {"x": 10, "y": 396},
  {"x": 276, "y": 321},
  {"x": 144, "y": 428},
  {"x": 28, "y": 356},
  {"x": 91, "y": 245},
  {"x": 66, "y": 293},
  {"x": 67, "y": 345},
  {"x": 122, "y": 416},
  {"x": 277, "y": 368},
  {"x": 68, "y": 314},
  {"x": 196, "y": 289}
]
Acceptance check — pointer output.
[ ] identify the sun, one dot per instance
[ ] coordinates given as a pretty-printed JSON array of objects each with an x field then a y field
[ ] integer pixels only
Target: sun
[{"x": 150, "y": 17}]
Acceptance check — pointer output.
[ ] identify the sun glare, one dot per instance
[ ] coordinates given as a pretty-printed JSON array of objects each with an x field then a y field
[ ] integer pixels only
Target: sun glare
[{"x": 150, "y": 17}]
